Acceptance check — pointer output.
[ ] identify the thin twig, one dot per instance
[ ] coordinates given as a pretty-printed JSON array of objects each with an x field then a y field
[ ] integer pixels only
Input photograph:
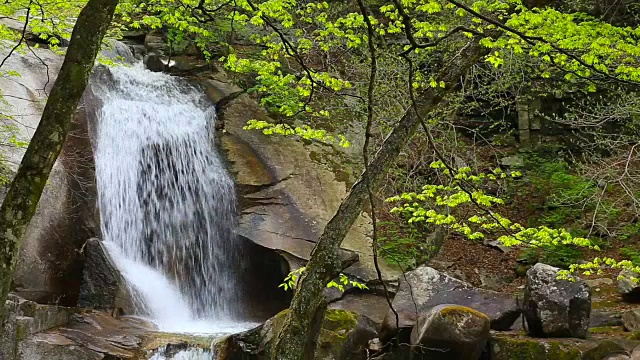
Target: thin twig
[
  {"x": 365, "y": 150},
  {"x": 24, "y": 32}
]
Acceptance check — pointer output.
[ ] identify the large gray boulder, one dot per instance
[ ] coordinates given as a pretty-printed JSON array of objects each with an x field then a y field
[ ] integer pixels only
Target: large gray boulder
[
  {"x": 426, "y": 287},
  {"x": 556, "y": 308},
  {"x": 628, "y": 286},
  {"x": 103, "y": 287},
  {"x": 631, "y": 320},
  {"x": 451, "y": 332}
]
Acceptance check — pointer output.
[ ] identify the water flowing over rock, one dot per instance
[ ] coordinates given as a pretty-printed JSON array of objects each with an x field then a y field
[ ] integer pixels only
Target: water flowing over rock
[
  {"x": 168, "y": 353},
  {"x": 166, "y": 202},
  {"x": 426, "y": 287},
  {"x": 556, "y": 308}
]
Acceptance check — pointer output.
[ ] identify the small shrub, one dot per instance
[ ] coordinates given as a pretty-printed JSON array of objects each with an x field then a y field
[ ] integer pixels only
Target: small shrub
[
  {"x": 404, "y": 244},
  {"x": 555, "y": 255},
  {"x": 629, "y": 231},
  {"x": 632, "y": 254}
]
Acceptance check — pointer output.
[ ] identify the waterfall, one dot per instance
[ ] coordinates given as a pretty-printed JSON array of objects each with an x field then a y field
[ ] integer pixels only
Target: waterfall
[{"x": 166, "y": 201}]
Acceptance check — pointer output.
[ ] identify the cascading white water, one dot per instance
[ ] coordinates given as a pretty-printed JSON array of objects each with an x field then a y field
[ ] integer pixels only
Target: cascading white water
[{"x": 166, "y": 202}]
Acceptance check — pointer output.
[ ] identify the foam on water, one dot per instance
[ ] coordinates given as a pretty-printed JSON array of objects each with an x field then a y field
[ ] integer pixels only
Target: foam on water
[
  {"x": 166, "y": 202},
  {"x": 190, "y": 354}
]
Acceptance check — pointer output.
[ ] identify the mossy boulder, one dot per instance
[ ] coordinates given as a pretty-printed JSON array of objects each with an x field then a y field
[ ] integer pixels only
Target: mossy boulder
[
  {"x": 343, "y": 335},
  {"x": 599, "y": 346},
  {"x": 603, "y": 349},
  {"x": 504, "y": 346},
  {"x": 451, "y": 332}
]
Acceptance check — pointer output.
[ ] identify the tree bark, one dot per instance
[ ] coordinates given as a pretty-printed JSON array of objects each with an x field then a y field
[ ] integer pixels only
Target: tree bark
[
  {"x": 26, "y": 188},
  {"x": 299, "y": 330}
]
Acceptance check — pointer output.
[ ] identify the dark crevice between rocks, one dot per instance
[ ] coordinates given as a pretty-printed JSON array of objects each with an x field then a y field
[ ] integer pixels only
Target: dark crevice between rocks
[{"x": 260, "y": 279}]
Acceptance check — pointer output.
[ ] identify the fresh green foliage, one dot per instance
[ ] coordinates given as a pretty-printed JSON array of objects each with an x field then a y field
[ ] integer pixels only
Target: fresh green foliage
[
  {"x": 629, "y": 231},
  {"x": 556, "y": 244},
  {"x": 304, "y": 132},
  {"x": 291, "y": 280},
  {"x": 476, "y": 226},
  {"x": 398, "y": 245},
  {"x": 632, "y": 254},
  {"x": 561, "y": 256}
]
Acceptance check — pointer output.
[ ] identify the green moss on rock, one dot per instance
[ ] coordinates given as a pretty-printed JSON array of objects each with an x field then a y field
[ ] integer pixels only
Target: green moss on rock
[
  {"x": 603, "y": 349},
  {"x": 334, "y": 341},
  {"x": 634, "y": 336},
  {"x": 606, "y": 330},
  {"x": 509, "y": 347}
]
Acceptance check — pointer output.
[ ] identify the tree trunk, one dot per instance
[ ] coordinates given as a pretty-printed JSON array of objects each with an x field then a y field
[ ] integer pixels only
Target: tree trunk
[
  {"x": 299, "y": 330},
  {"x": 26, "y": 188}
]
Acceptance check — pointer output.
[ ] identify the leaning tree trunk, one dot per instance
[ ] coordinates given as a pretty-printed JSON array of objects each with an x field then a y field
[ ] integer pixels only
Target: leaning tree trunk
[
  {"x": 297, "y": 338},
  {"x": 24, "y": 193}
]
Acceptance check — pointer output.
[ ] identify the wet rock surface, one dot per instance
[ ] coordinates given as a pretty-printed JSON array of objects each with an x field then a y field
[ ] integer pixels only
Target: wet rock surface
[
  {"x": 103, "y": 287},
  {"x": 71, "y": 333}
]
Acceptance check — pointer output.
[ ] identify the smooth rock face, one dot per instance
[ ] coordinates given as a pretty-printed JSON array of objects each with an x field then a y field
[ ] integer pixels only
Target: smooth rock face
[
  {"x": 93, "y": 335},
  {"x": 103, "y": 287},
  {"x": 631, "y": 320},
  {"x": 627, "y": 287},
  {"x": 52, "y": 346},
  {"x": 429, "y": 287},
  {"x": 556, "y": 308},
  {"x": 451, "y": 332},
  {"x": 635, "y": 354},
  {"x": 594, "y": 283},
  {"x": 48, "y": 268},
  {"x": 286, "y": 194}
]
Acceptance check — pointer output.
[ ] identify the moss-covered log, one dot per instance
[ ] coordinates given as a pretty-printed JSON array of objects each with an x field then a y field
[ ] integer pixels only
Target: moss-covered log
[
  {"x": 300, "y": 331},
  {"x": 24, "y": 193}
]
